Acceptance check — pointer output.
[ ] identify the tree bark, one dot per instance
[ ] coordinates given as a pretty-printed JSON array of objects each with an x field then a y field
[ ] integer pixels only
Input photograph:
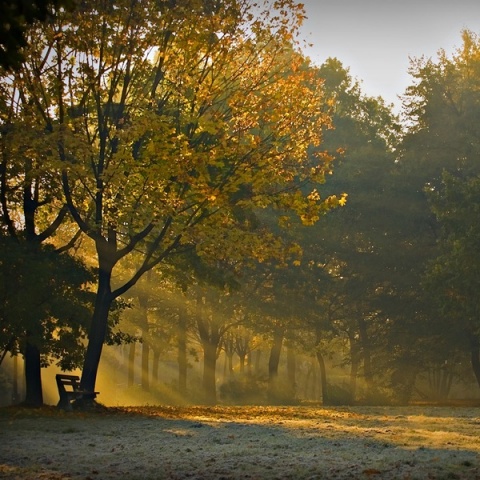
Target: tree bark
[
  {"x": 98, "y": 331},
  {"x": 33, "y": 376}
]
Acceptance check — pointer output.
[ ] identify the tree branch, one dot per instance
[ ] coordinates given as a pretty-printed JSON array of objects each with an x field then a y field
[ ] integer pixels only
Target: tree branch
[{"x": 52, "y": 228}]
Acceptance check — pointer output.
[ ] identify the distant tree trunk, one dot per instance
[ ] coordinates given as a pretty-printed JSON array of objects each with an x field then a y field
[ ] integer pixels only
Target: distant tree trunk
[
  {"x": 242, "y": 363},
  {"x": 475, "y": 356},
  {"x": 446, "y": 385},
  {"x": 274, "y": 389},
  {"x": 145, "y": 366},
  {"x": 156, "y": 363},
  {"x": 143, "y": 300},
  {"x": 311, "y": 381},
  {"x": 440, "y": 380},
  {"x": 353, "y": 377},
  {"x": 366, "y": 353},
  {"x": 321, "y": 364},
  {"x": 131, "y": 364},
  {"x": 258, "y": 356},
  {"x": 33, "y": 376},
  {"x": 182, "y": 350},
  {"x": 275, "y": 353},
  {"x": 323, "y": 378},
  {"x": 291, "y": 370},
  {"x": 228, "y": 365},
  {"x": 15, "y": 394},
  {"x": 242, "y": 347},
  {"x": 209, "y": 368},
  {"x": 229, "y": 352},
  {"x": 402, "y": 382},
  {"x": 145, "y": 372},
  {"x": 354, "y": 365},
  {"x": 249, "y": 361},
  {"x": 210, "y": 336}
]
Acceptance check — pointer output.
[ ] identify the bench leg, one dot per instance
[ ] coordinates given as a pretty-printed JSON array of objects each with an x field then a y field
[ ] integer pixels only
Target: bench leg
[{"x": 64, "y": 403}]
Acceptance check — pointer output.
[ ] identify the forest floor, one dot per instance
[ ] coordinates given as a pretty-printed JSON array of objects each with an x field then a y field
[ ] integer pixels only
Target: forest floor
[{"x": 420, "y": 442}]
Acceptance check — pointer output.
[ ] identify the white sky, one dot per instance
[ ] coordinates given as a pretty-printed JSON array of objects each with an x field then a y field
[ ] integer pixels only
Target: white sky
[{"x": 375, "y": 38}]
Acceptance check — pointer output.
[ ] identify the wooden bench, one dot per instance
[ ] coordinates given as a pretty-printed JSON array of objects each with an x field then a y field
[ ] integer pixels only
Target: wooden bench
[{"x": 72, "y": 382}]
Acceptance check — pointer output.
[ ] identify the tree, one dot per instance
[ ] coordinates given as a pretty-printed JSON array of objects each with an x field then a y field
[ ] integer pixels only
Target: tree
[
  {"x": 166, "y": 119},
  {"x": 349, "y": 258},
  {"x": 45, "y": 309},
  {"x": 444, "y": 106},
  {"x": 453, "y": 276},
  {"x": 32, "y": 221},
  {"x": 17, "y": 16}
]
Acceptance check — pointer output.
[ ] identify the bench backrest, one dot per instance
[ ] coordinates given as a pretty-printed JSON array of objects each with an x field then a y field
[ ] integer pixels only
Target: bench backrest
[{"x": 72, "y": 381}]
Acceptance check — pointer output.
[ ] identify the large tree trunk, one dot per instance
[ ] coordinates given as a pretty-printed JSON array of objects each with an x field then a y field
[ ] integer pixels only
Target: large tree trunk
[
  {"x": 33, "y": 376},
  {"x": 98, "y": 331}
]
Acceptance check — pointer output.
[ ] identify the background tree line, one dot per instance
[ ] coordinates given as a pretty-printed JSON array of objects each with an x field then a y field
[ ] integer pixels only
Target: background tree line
[{"x": 166, "y": 171}]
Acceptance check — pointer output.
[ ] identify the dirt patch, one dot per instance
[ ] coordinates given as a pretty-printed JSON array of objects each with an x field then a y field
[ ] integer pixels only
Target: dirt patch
[{"x": 241, "y": 443}]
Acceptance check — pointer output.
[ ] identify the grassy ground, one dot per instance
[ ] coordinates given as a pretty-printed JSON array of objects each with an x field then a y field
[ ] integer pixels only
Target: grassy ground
[{"x": 418, "y": 442}]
